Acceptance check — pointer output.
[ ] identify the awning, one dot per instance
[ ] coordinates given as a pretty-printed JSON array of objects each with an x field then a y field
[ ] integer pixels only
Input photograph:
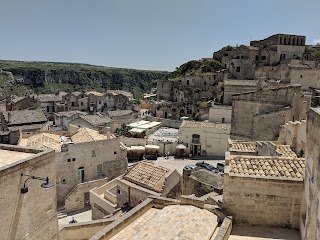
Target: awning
[
  {"x": 155, "y": 147},
  {"x": 181, "y": 146}
]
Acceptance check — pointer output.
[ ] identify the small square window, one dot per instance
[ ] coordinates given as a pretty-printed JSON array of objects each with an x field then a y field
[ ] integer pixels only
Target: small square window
[
  {"x": 115, "y": 152},
  {"x": 63, "y": 181},
  {"x": 118, "y": 190},
  {"x": 301, "y": 76},
  {"x": 238, "y": 69},
  {"x": 73, "y": 159},
  {"x": 69, "y": 160},
  {"x": 93, "y": 152},
  {"x": 263, "y": 58}
]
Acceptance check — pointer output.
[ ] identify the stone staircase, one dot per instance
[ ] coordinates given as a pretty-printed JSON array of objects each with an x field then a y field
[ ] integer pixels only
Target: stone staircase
[{"x": 61, "y": 213}]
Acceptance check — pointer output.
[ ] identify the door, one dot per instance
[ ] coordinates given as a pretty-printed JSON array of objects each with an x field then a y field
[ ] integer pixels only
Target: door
[{"x": 80, "y": 174}]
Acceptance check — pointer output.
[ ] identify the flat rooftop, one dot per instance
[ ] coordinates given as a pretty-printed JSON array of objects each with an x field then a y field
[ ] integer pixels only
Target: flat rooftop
[
  {"x": 171, "y": 222},
  {"x": 8, "y": 156},
  {"x": 165, "y": 134}
]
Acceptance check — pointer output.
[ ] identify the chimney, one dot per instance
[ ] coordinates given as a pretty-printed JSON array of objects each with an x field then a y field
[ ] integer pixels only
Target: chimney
[{"x": 108, "y": 132}]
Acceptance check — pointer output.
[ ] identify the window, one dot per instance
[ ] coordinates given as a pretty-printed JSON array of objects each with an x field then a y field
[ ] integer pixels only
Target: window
[
  {"x": 118, "y": 191},
  {"x": 257, "y": 57},
  {"x": 205, "y": 83},
  {"x": 99, "y": 169},
  {"x": 73, "y": 159},
  {"x": 223, "y": 120},
  {"x": 69, "y": 160},
  {"x": 301, "y": 76},
  {"x": 99, "y": 102},
  {"x": 282, "y": 56},
  {"x": 238, "y": 69},
  {"x": 63, "y": 181},
  {"x": 72, "y": 103},
  {"x": 81, "y": 103},
  {"x": 187, "y": 82},
  {"x": 115, "y": 152},
  {"x": 263, "y": 58},
  {"x": 93, "y": 152}
]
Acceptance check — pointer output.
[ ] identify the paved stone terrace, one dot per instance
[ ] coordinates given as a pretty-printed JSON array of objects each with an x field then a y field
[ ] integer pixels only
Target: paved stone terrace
[
  {"x": 262, "y": 233},
  {"x": 172, "y": 222}
]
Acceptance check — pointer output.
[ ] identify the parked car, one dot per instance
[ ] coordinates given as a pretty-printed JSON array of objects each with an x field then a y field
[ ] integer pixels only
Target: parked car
[
  {"x": 207, "y": 166},
  {"x": 190, "y": 167}
]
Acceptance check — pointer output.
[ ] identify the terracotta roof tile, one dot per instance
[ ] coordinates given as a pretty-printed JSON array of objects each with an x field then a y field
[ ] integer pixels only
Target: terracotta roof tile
[
  {"x": 148, "y": 175},
  {"x": 239, "y": 146},
  {"x": 268, "y": 166}
]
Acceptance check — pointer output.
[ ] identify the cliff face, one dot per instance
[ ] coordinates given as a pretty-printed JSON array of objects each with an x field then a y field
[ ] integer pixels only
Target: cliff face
[{"x": 47, "y": 77}]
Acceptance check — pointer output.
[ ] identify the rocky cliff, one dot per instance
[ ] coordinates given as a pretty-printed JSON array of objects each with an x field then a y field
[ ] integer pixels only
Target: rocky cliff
[{"x": 44, "y": 77}]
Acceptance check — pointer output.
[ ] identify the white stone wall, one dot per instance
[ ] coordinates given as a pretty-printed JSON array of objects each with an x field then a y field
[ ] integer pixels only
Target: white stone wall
[
  {"x": 88, "y": 155},
  {"x": 214, "y": 141}
]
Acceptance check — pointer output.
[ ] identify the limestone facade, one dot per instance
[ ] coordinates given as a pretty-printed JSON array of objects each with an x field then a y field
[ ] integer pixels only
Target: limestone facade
[
  {"x": 30, "y": 215},
  {"x": 88, "y": 156},
  {"x": 259, "y": 115},
  {"x": 220, "y": 114},
  {"x": 310, "y": 212},
  {"x": 264, "y": 191},
  {"x": 204, "y": 138}
]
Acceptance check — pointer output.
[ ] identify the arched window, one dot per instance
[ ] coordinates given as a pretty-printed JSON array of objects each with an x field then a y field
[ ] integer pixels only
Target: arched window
[{"x": 187, "y": 82}]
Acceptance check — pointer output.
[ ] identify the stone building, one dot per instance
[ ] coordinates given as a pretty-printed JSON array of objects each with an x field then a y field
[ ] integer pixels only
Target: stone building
[
  {"x": 260, "y": 148},
  {"x": 24, "y": 120},
  {"x": 265, "y": 191},
  {"x": 21, "y": 103},
  {"x": 204, "y": 138},
  {"x": 31, "y": 214},
  {"x": 95, "y": 121},
  {"x": 120, "y": 117},
  {"x": 310, "y": 218},
  {"x": 220, "y": 114},
  {"x": 80, "y": 160},
  {"x": 189, "y": 96},
  {"x": 259, "y": 115},
  {"x": 142, "y": 180},
  {"x": 62, "y": 119},
  {"x": 232, "y": 87},
  {"x": 51, "y": 103}
]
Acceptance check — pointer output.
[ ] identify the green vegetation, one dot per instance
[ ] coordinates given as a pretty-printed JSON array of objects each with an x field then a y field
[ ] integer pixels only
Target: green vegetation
[
  {"x": 7, "y": 87},
  {"x": 123, "y": 130},
  {"x": 197, "y": 67},
  {"x": 48, "y": 77},
  {"x": 313, "y": 52}
]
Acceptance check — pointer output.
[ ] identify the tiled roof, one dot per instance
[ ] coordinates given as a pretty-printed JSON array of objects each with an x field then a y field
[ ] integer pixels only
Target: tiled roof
[
  {"x": 87, "y": 135},
  {"x": 277, "y": 167},
  {"x": 148, "y": 175},
  {"x": 195, "y": 124},
  {"x": 285, "y": 151},
  {"x": 24, "y": 116},
  {"x": 70, "y": 113},
  {"x": 96, "y": 119},
  {"x": 119, "y": 113},
  {"x": 45, "y": 140},
  {"x": 26, "y": 127},
  {"x": 239, "y": 146}
]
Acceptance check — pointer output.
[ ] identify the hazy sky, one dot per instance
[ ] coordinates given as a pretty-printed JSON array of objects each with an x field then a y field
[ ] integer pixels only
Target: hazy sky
[{"x": 145, "y": 34}]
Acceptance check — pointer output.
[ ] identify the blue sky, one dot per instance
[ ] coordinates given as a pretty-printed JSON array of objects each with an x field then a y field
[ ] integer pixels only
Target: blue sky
[{"x": 145, "y": 34}]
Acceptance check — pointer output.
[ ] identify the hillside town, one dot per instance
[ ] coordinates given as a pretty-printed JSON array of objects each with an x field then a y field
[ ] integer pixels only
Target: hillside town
[{"x": 225, "y": 148}]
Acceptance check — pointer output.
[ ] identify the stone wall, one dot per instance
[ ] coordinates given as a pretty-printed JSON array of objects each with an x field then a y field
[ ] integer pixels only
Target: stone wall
[
  {"x": 254, "y": 114},
  {"x": 88, "y": 155},
  {"x": 310, "y": 212},
  {"x": 220, "y": 114},
  {"x": 84, "y": 230},
  {"x": 263, "y": 201},
  {"x": 165, "y": 122},
  {"x": 76, "y": 198},
  {"x": 31, "y": 215}
]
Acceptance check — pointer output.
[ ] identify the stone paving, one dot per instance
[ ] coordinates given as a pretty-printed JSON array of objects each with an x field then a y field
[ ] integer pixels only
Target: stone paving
[
  {"x": 262, "y": 233},
  {"x": 179, "y": 163},
  {"x": 172, "y": 222},
  {"x": 84, "y": 216}
]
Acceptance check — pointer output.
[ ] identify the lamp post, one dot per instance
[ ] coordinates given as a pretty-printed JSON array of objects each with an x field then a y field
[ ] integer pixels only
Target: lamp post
[{"x": 46, "y": 184}]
